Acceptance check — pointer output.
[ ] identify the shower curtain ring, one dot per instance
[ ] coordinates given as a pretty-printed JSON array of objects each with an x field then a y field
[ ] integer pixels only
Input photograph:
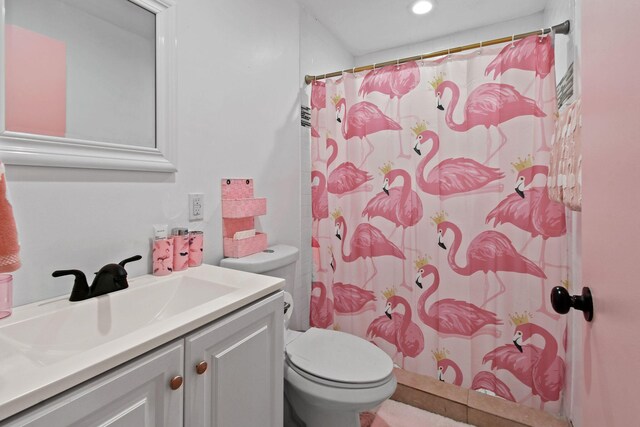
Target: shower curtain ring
[
  {"x": 513, "y": 37},
  {"x": 374, "y": 66}
]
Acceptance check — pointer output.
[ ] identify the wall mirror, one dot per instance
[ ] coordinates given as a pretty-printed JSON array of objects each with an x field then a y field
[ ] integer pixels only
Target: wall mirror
[{"x": 88, "y": 84}]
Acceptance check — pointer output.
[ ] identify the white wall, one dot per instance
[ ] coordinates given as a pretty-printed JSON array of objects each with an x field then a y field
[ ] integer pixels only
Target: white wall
[
  {"x": 238, "y": 116},
  {"x": 320, "y": 53},
  {"x": 514, "y": 26}
]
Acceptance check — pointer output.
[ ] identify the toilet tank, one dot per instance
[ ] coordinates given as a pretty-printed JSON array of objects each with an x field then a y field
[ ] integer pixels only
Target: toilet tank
[{"x": 276, "y": 261}]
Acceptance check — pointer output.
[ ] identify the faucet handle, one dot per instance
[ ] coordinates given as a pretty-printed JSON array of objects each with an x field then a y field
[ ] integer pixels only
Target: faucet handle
[
  {"x": 80, "y": 289},
  {"x": 133, "y": 258},
  {"x": 59, "y": 273}
]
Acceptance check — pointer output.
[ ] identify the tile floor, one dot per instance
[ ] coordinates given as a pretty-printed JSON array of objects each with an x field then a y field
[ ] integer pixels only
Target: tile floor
[{"x": 396, "y": 414}]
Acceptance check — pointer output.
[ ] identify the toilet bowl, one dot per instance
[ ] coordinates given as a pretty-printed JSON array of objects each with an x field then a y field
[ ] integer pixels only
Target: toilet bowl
[{"x": 329, "y": 376}]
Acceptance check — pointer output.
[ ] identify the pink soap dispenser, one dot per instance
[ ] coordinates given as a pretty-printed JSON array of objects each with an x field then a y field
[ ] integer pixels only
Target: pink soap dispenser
[
  {"x": 180, "y": 248},
  {"x": 196, "y": 241},
  {"x": 162, "y": 252}
]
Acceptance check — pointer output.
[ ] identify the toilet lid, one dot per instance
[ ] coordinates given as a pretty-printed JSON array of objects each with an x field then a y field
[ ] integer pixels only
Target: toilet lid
[{"x": 340, "y": 357}]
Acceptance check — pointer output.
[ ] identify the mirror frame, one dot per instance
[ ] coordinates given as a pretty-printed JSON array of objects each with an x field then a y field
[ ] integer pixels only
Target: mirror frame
[{"x": 17, "y": 148}]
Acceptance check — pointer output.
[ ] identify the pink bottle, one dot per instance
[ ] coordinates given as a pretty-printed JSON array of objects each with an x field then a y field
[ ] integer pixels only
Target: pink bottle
[
  {"x": 196, "y": 241},
  {"x": 180, "y": 248},
  {"x": 162, "y": 252},
  {"x": 6, "y": 295}
]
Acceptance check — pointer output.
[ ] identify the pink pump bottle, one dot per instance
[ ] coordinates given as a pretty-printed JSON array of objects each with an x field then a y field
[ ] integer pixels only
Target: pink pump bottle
[
  {"x": 162, "y": 252},
  {"x": 180, "y": 248}
]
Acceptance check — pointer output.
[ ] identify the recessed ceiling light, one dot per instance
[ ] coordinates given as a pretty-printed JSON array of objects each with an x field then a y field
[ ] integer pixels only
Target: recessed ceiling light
[{"x": 421, "y": 7}]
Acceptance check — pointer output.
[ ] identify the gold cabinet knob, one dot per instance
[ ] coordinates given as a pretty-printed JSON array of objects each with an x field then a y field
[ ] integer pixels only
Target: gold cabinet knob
[
  {"x": 176, "y": 382},
  {"x": 201, "y": 367}
]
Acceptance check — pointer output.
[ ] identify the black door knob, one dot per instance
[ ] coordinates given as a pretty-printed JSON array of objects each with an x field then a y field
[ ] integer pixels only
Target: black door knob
[{"x": 562, "y": 302}]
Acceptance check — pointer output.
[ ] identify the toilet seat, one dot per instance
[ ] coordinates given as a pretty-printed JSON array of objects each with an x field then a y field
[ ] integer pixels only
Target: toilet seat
[{"x": 338, "y": 359}]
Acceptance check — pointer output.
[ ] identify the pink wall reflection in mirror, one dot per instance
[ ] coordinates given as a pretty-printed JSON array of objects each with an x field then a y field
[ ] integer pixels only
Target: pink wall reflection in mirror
[{"x": 35, "y": 82}]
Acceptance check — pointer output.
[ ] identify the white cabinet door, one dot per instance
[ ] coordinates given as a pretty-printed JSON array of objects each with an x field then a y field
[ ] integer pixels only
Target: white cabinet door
[
  {"x": 136, "y": 394},
  {"x": 243, "y": 383}
]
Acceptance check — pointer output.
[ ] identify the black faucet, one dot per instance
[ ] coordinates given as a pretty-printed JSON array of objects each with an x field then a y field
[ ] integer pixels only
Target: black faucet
[{"x": 110, "y": 278}]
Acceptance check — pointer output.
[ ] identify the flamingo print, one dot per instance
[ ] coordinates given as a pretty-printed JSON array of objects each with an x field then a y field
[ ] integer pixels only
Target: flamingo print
[
  {"x": 484, "y": 382},
  {"x": 400, "y": 205},
  {"x": 319, "y": 199},
  {"x": 349, "y": 299},
  {"x": 490, "y": 104},
  {"x": 318, "y": 95},
  {"x": 403, "y": 333},
  {"x": 449, "y": 316},
  {"x": 362, "y": 119},
  {"x": 321, "y": 309},
  {"x": 346, "y": 178},
  {"x": 332, "y": 263},
  {"x": 488, "y": 251},
  {"x": 547, "y": 369},
  {"x": 318, "y": 102},
  {"x": 395, "y": 81},
  {"x": 367, "y": 242},
  {"x": 532, "y": 211},
  {"x": 317, "y": 258},
  {"x": 454, "y": 176},
  {"x": 533, "y": 53}
]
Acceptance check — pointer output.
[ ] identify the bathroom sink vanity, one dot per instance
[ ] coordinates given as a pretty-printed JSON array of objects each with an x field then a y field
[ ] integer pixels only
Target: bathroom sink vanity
[{"x": 199, "y": 347}]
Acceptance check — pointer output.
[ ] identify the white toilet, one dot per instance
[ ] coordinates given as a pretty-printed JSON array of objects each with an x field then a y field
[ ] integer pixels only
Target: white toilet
[{"x": 329, "y": 376}]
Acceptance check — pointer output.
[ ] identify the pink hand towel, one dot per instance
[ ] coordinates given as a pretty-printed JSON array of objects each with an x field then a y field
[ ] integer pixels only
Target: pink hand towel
[{"x": 9, "y": 247}]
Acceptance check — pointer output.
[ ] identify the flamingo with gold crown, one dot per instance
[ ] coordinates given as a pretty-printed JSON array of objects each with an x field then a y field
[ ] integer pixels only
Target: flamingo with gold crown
[
  {"x": 483, "y": 382},
  {"x": 488, "y": 105},
  {"x": 367, "y": 242},
  {"x": 454, "y": 176},
  {"x": 400, "y": 205},
  {"x": 396, "y": 328},
  {"x": 539, "y": 368},
  {"x": 488, "y": 251},
  {"x": 450, "y": 317}
]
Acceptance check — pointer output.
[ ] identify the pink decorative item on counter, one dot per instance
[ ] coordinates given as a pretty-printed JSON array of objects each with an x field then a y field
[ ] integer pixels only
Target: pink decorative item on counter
[
  {"x": 180, "y": 249},
  {"x": 238, "y": 210},
  {"x": 196, "y": 241},
  {"x": 6, "y": 295},
  {"x": 162, "y": 256}
]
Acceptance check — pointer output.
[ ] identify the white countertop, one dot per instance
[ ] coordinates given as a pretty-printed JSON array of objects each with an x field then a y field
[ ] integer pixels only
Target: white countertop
[{"x": 50, "y": 346}]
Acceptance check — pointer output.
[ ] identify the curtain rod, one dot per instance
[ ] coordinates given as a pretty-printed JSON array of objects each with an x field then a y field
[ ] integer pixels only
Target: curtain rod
[{"x": 563, "y": 28}]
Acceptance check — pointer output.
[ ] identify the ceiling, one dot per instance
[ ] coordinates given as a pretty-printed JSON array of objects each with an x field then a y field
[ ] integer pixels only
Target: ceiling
[{"x": 365, "y": 26}]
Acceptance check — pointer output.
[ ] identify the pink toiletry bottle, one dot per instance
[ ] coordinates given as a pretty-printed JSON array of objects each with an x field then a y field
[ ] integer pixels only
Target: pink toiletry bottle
[
  {"x": 196, "y": 241},
  {"x": 162, "y": 253},
  {"x": 180, "y": 248},
  {"x": 6, "y": 295}
]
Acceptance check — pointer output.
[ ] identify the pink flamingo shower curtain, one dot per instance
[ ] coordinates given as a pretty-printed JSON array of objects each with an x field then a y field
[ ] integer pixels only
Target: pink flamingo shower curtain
[{"x": 433, "y": 235}]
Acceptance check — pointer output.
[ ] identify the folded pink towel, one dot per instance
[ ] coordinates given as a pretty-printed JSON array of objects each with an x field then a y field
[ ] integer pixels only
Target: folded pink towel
[{"x": 9, "y": 247}]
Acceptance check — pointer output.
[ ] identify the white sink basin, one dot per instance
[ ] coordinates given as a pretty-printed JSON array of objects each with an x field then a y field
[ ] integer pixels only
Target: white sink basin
[
  {"x": 81, "y": 326},
  {"x": 49, "y": 346}
]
